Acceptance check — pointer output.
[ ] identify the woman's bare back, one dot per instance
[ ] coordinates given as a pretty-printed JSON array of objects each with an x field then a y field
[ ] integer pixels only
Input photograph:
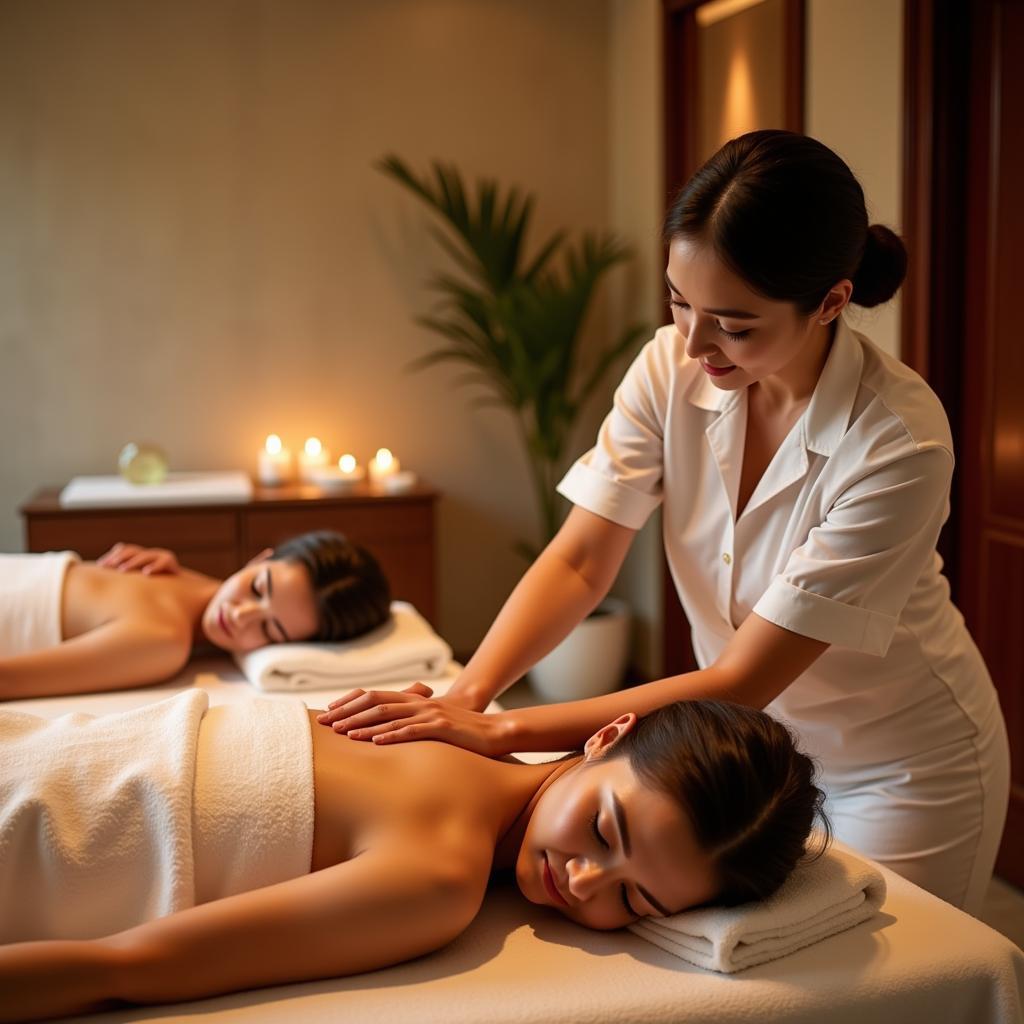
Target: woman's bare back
[
  {"x": 95, "y": 596},
  {"x": 430, "y": 797}
]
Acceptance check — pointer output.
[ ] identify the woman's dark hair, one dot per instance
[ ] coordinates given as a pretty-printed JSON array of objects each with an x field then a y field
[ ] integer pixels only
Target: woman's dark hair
[
  {"x": 786, "y": 214},
  {"x": 351, "y": 592},
  {"x": 747, "y": 791}
]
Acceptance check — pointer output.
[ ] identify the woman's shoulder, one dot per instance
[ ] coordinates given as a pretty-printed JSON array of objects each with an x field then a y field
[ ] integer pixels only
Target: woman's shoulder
[{"x": 899, "y": 402}]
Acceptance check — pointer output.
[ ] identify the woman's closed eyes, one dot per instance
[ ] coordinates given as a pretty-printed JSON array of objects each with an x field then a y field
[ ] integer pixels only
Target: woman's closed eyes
[
  {"x": 606, "y": 845},
  {"x": 734, "y": 335}
]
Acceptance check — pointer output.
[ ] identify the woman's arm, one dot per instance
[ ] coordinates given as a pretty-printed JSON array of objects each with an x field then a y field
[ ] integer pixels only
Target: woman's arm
[
  {"x": 114, "y": 656},
  {"x": 568, "y": 580},
  {"x": 378, "y": 909},
  {"x": 760, "y": 661}
]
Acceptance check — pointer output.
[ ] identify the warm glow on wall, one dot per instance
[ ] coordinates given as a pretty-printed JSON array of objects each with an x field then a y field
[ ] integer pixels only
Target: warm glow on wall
[
  {"x": 739, "y": 106},
  {"x": 708, "y": 14}
]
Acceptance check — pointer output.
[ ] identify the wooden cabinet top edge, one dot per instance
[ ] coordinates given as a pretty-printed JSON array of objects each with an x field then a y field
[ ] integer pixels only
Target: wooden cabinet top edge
[{"x": 46, "y": 501}]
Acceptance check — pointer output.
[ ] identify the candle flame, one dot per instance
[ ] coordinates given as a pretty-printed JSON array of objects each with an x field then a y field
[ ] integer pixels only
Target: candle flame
[
  {"x": 273, "y": 444},
  {"x": 313, "y": 446},
  {"x": 347, "y": 463},
  {"x": 384, "y": 458}
]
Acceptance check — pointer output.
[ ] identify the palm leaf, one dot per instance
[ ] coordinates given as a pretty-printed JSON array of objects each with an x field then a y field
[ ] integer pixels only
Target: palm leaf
[{"x": 515, "y": 325}]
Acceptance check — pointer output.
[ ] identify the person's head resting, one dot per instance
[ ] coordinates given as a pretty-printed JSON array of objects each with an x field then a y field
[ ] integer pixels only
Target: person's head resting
[
  {"x": 698, "y": 802},
  {"x": 767, "y": 243},
  {"x": 317, "y": 586}
]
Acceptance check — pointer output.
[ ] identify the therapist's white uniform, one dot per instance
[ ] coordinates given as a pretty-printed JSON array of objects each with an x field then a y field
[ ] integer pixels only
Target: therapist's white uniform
[{"x": 837, "y": 542}]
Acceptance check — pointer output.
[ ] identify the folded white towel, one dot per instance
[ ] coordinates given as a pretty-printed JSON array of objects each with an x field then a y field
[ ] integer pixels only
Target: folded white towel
[
  {"x": 252, "y": 820},
  {"x": 404, "y": 647},
  {"x": 31, "y": 591},
  {"x": 96, "y": 818},
  {"x": 202, "y": 488},
  {"x": 820, "y": 898}
]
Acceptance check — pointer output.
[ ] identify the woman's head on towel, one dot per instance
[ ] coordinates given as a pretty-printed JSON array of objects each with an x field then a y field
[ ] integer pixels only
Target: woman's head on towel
[
  {"x": 317, "y": 586},
  {"x": 697, "y": 802}
]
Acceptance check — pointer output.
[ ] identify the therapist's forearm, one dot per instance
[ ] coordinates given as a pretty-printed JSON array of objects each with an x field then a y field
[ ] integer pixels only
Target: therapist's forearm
[
  {"x": 550, "y": 599},
  {"x": 569, "y": 726}
]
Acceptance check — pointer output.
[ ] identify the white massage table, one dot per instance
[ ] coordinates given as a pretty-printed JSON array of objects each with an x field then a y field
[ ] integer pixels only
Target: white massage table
[{"x": 919, "y": 960}]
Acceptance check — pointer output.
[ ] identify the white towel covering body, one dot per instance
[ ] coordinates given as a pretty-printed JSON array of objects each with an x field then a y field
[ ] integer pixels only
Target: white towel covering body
[
  {"x": 31, "y": 594},
  {"x": 404, "y": 647},
  {"x": 820, "y": 898},
  {"x": 99, "y": 830}
]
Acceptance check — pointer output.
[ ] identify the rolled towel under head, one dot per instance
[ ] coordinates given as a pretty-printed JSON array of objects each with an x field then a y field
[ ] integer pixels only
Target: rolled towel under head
[
  {"x": 403, "y": 648},
  {"x": 820, "y": 898}
]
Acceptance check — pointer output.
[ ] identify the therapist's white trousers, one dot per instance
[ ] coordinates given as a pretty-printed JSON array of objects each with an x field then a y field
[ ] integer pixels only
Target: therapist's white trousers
[{"x": 936, "y": 818}]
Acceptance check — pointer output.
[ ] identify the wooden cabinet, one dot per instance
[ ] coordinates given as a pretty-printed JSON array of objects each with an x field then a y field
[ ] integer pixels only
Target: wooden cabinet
[{"x": 217, "y": 539}]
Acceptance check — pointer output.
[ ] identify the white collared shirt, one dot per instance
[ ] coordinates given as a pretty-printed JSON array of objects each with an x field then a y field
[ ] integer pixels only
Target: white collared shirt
[{"x": 837, "y": 541}]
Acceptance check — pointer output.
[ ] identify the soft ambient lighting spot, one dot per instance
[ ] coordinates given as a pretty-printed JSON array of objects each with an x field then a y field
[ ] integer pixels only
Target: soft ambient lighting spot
[
  {"x": 717, "y": 10},
  {"x": 313, "y": 457},
  {"x": 342, "y": 477},
  {"x": 384, "y": 459},
  {"x": 274, "y": 463}
]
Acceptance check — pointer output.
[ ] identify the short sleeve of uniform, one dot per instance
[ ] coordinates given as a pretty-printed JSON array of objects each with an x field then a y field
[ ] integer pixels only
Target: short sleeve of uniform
[
  {"x": 848, "y": 583},
  {"x": 620, "y": 478}
]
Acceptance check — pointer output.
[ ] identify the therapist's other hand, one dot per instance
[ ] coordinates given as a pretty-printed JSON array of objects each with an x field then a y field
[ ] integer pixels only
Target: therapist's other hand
[
  {"x": 395, "y": 716},
  {"x": 133, "y": 558}
]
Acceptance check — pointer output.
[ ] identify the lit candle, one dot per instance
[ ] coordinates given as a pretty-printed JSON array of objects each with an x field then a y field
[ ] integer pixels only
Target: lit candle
[
  {"x": 342, "y": 477},
  {"x": 275, "y": 463},
  {"x": 314, "y": 456},
  {"x": 384, "y": 464}
]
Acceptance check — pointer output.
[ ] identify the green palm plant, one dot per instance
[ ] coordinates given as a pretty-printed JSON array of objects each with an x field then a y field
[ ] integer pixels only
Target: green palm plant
[{"x": 515, "y": 325}]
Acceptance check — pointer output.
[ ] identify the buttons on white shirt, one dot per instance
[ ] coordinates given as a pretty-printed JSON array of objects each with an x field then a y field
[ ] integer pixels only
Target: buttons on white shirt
[{"x": 726, "y": 557}]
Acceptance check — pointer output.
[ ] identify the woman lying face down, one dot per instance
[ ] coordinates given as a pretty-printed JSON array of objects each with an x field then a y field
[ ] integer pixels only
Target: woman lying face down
[
  {"x": 698, "y": 802},
  {"x": 119, "y": 629}
]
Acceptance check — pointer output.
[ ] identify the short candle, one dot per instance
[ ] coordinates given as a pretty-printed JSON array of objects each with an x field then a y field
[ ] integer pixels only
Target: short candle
[
  {"x": 275, "y": 463},
  {"x": 384, "y": 464},
  {"x": 342, "y": 477},
  {"x": 314, "y": 456}
]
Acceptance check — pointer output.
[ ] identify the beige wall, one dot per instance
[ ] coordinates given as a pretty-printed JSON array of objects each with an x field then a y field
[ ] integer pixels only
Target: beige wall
[
  {"x": 194, "y": 246},
  {"x": 195, "y": 249},
  {"x": 636, "y": 206},
  {"x": 855, "y": 106}
]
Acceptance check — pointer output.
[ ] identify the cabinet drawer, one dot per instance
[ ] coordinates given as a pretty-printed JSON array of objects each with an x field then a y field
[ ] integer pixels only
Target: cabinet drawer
[
  {"x": 265, "y": 528},
  {"x": 91, "y": 535}
]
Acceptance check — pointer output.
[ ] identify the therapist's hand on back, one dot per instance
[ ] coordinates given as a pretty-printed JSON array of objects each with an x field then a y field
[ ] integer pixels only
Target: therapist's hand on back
[{"x": 394, "y": 716}]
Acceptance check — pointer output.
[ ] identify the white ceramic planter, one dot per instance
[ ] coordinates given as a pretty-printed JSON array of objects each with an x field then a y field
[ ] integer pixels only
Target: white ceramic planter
[{"x": 590, "y": 661}]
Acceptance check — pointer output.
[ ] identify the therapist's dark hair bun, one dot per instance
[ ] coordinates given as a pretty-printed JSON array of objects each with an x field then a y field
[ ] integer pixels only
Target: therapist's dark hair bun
[
  {"x": 786, "y": 214},
  {"x": 350, "y": 589},
  {"x": 749, "y": 794}
]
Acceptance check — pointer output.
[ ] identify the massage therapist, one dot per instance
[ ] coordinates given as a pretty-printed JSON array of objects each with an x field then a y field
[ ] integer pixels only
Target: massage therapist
[{"x": 803, "y": 475}]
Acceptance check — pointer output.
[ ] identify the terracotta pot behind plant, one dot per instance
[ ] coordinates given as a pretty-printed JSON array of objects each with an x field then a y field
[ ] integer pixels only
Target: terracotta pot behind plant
[{"x": 590, "y": 661}]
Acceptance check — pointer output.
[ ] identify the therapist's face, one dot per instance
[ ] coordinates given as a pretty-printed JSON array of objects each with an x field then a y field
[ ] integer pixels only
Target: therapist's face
[
  {"x": 604, "y": 848},
  {"x": 731, "y": 329}
]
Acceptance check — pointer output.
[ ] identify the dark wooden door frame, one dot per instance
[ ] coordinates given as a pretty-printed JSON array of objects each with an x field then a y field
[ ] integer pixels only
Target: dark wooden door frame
[
  {"x": 936, "y": 118},
  {"x": 679, "y": 37}
]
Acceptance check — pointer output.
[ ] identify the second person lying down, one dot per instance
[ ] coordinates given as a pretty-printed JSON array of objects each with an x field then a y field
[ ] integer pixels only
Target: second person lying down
[{"x": 68, "y": 626}]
